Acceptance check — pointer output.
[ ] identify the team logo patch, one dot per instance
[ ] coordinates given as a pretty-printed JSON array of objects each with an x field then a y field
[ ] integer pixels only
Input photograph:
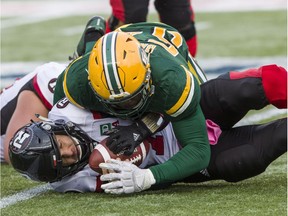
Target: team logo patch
[
  {"x": 21, "y": 141},
  {"x": 62, "y": 103},
  {"x": 52, "y": 84},
  {"x": 105, "y": 128}
]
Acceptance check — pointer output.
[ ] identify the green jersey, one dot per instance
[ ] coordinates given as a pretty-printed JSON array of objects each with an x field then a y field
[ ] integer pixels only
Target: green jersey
[{"x": 176, "y": 77}]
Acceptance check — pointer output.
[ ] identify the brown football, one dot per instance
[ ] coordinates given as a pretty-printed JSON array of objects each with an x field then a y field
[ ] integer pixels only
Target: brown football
[{"x": 101, "y": 153}]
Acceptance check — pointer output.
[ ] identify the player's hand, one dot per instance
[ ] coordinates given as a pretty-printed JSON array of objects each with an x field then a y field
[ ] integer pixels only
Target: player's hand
[
  {"x": 127, "y": 178},
  {"x": 126, "y": 138}
]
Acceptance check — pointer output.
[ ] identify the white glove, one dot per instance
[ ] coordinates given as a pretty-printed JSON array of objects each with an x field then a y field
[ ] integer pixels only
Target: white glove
[{"x": 128, "y": 178}]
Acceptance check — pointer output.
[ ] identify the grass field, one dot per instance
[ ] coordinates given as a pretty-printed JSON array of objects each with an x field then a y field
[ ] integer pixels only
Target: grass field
[
  {"x": 228, "y": 34},
  {"x": 242, "y": 34}
]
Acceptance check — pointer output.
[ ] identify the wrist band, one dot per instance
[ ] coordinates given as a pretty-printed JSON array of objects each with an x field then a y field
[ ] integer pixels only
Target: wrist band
[{"x": 153, "y": 121}]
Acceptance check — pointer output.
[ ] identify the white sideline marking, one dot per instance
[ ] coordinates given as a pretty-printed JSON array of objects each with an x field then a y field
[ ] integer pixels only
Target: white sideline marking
[
  {"x": 12, "y": 70},
  {"x": 24, "y": 195}
]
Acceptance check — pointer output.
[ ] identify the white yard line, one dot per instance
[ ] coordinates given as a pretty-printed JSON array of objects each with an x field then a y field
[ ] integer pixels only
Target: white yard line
[
  {"x": 23, "y": 195},
  {"x": 208, "y": 64},
  {"x": 212, "y": 66}
]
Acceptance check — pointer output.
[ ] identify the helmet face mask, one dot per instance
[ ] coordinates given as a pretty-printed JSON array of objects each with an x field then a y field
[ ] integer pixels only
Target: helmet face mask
[
  {"x": 130, "y": 107},
  {"x": 119, "y": 75},
  {"x": 34, "y": 151}
]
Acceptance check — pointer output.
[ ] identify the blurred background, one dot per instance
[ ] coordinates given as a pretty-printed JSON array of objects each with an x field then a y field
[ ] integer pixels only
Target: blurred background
[
  {"x": 229, "y": 31},
  {"x": 232, "y": 34}
]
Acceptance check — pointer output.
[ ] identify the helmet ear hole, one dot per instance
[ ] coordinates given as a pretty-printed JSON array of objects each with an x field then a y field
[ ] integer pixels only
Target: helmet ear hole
[
  {"x": 128, "y": 39},
  {"x": 124, "y": 54}
]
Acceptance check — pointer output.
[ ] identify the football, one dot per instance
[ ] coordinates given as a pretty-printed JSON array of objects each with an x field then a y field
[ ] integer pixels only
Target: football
[{"x": 101, "y": 153}]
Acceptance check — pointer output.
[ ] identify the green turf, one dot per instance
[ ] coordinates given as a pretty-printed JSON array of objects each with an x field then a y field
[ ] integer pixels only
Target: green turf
[
  {"x": 44, "y": 41},
  {"x": 262, "y": 195},
  {"x": 244, "y": 34},
  {"x": 229, "y": 34},
  {"x": 12, "y": 182}
]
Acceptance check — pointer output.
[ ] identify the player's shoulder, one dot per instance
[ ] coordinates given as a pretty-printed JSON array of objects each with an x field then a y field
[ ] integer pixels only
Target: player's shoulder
[
  {"x": 177, "y": 85},
  {"x": 78, "y": 66},
  {"x": 168, "y": 70},
  {"x": 75, "y": 79},
  {"x": 48, "y": 72},
  {"x": 63, "y": 109},
  {"x": 77, "y": 70},
  {"x": 51, "y": 69},
  {"x": 44, "y": 81}
]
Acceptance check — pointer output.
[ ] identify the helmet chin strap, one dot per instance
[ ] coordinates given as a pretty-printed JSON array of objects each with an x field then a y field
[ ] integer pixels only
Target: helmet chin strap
[{"x": 42, "y": 117}]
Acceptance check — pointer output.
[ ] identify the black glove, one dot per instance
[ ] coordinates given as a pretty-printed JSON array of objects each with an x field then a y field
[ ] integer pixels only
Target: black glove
[{"x": 127, "y": 138}]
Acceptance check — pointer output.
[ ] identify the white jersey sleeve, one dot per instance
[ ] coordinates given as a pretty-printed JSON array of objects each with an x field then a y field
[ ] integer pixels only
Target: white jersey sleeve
[
  {"x": 86, "y": 180},
  {"x": 42, "y": 80},
  {"x": 45, "y": 80},
  {"x": 10, "y": 92}
]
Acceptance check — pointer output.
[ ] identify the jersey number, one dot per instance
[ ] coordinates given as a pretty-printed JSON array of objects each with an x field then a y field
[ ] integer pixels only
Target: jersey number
[{"x": 170, "y": 46}]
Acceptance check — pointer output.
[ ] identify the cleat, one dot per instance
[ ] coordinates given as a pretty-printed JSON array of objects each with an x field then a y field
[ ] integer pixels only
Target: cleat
[{"x": 94, "y": 29}]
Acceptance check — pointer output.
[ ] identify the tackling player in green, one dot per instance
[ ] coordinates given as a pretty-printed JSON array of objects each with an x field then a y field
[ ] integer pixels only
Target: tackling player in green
[
  {"x": 141, "y": 69},
  {"x": 151, "y": 71}
]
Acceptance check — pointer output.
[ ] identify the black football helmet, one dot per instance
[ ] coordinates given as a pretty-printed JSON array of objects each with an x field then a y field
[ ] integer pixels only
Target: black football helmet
[{"x": 34, "y": 152}]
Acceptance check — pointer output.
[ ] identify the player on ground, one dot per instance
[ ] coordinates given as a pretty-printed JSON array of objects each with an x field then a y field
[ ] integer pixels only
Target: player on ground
[
  {"x": 29, "y": 95},
  {"x": 236, "y": 154},
  {"x": 151, "y": 71},
  {"x": 269, "y": 96},
  {"x": 166, "y": 80}
]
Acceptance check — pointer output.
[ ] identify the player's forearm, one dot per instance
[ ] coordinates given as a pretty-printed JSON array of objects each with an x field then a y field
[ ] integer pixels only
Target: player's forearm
[
  {"x": 188, "y": 161},
  {"x": 191, "y": 133}
]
